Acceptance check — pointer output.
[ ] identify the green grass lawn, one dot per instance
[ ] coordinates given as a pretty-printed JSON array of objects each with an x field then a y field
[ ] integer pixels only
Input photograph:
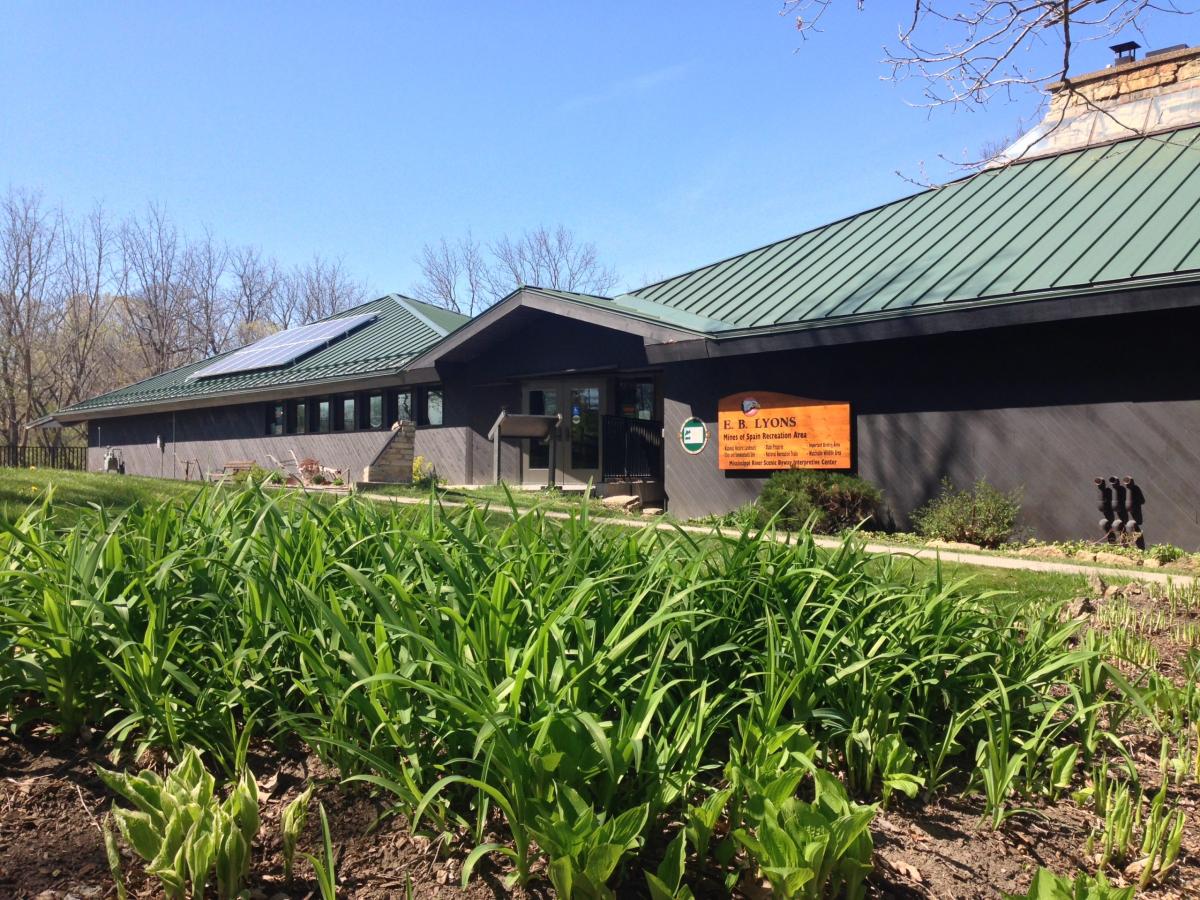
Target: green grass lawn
[{"x": 75, "y": 491}]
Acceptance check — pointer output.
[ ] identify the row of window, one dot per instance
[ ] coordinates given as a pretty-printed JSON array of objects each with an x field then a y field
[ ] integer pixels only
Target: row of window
[{"x": 364, "y": 411}]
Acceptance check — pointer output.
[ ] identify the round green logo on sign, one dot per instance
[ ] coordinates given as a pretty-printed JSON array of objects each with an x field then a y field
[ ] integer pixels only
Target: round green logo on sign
[{"x": 693, "y": 435}]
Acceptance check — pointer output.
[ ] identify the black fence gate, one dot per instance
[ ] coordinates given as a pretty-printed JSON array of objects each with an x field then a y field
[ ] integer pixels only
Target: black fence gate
[
  {"x": 14, "y": 456},
  {"x": 633, "y": 449}
]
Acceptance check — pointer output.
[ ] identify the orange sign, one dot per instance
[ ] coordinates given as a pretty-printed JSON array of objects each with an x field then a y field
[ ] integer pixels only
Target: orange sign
[{"x": 762, "y": 430}]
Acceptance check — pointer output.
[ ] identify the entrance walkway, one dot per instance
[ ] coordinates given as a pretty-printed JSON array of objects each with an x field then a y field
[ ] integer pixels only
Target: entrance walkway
[{"x": 966, "y": 558}]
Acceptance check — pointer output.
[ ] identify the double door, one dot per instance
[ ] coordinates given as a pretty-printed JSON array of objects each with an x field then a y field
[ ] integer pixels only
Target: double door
[{"x": 581, "y": 404}]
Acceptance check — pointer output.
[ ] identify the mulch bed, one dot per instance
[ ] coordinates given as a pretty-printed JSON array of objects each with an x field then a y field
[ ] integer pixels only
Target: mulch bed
[{"x": 51, "y": 846}]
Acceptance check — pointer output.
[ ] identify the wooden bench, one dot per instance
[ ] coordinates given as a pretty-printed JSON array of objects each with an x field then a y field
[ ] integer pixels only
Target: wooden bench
[{"x": 233, "y": 467}]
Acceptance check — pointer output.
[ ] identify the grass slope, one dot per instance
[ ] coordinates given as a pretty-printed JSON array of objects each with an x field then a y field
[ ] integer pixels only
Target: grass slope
[{"x": 76, "y": 492}]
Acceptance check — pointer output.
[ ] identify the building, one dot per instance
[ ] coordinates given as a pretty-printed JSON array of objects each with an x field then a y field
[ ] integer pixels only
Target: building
[{"x": 1034, "y": 323}]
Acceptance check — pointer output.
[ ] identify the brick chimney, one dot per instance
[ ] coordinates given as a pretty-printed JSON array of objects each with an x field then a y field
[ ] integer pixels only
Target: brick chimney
[{"x": 1158, "y": 93}]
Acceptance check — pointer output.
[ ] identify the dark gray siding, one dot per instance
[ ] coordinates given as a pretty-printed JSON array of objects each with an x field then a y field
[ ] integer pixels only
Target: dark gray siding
[
  {"x": 528, "y": 344},
  {"x": 1043, "y": 408},
  {"x": 219, "y": 434}
]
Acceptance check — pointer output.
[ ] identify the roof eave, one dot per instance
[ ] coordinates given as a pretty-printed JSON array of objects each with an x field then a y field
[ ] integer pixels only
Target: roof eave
[
  {"x": 1159, "y": 294},
  {"x": 382, "y": 378}
]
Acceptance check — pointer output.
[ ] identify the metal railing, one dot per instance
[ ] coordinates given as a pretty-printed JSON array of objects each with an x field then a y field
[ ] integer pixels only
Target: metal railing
[
  {"x": 633, "y": 449},
  {"x": 14, "y": 456}
]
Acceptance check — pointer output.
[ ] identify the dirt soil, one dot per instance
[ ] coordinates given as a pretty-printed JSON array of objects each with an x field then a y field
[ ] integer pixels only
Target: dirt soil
[{"x": 51, "y": 846}]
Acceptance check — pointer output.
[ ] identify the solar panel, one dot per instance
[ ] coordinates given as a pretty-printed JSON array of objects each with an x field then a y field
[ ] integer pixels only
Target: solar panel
[{"x": 284, "y": 347}]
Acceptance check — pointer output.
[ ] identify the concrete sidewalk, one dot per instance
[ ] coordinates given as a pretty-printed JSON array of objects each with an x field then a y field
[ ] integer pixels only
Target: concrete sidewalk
[{"x": 966, "y": 558}]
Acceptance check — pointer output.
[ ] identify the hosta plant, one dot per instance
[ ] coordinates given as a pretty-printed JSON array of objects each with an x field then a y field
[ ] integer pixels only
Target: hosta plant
[
  {"x": 584, "y": 847},
  {"x": 291, "y": 824},
  {"x": 183, "y": 830},
  {"x": 809, "y": 850},
  {"x": 1048, "y": 886}
]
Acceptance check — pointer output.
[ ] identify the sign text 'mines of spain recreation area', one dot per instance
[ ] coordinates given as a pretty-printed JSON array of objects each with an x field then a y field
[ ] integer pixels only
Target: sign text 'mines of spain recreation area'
[{"x": 764, "y": 430}]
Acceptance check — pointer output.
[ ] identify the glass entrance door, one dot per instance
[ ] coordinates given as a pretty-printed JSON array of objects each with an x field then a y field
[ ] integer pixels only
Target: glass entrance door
[{"x": 581, "y": 404}]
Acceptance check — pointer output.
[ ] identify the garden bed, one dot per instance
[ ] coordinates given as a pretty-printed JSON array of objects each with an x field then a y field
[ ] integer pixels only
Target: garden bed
[{"x": 503, "y": 684}]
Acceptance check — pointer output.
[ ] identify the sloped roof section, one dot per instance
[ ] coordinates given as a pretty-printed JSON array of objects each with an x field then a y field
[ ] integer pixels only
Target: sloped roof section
[
  {"x": 403, "y": 328},
  {"x": 1104, "y": 218}
]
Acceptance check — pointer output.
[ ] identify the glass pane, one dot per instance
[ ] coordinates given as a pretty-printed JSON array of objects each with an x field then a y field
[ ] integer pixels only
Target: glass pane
[
  {"x": 348, "y": 421},
  {"x": 635, "y": 399},
  {"x": 433, "y": 406},
  {"x": 404, "y": 412},
  {"x": 541, "y": 403},
  {"x": 585, "y": 428},
  {"x": 276, "y": 419},
  {"x": 375, "y": 405},
  {"x": 323, "y": 415},
  {"x": 301, "y": 417}
]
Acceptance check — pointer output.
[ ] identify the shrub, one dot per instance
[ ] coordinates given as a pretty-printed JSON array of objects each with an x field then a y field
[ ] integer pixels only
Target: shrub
[
  {"x": 982, "y": 515},
  {"x": 318, "y": 479},
  {"x": 424, "y": 474},
  {"x": 1165, "y": 553},
  {"x": 834, "y": 501},
  {"x": 256, "y": 474}
]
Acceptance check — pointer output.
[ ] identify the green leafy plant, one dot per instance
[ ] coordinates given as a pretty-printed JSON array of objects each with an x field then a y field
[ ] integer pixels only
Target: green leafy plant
[
  {"x": 291, "y": 825},
  {"x": 1165, "y": 553},
  {"x": 424, "y": 474},
  {"x": 482, "y": 672},
  {"x": 980, "y": 515},
  {"x": 1048, "y": 886},
  {"x": 325, "y": 866},
  {"x": 809, "y": 850},
  {"x": 831, "y": 501},
  {"x": 666, "y": 883},
  {"x": 183, "y": 830},
  {"x": 585, "y": 848}
]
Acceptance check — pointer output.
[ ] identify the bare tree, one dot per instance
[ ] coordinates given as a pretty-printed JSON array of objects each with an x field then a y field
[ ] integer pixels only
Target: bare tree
[
  {"x": 466, "y": 278},
  {"x": 983, "y": 57},
  {"x": 86, "y": 305},
  {"x": 256, "y": 285},
  {"x": 317, "y": 290},
  {"x": 456, "y": 276},
  {"x": 151, "y": 280},
  {"x": 551, "y": 259},
  {"x": 28, "y": 244},
  {"x": 966, "y": 52},
  {"x": 210, "y": 319},
  {"x": 87, "y": 344}
]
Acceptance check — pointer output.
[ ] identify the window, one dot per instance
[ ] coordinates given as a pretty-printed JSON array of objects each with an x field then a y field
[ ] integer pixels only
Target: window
[
  {"x": 300, "y": 417},
  {"x": 375, "y": 411},
  {"x": 404, "y": 407},
  {"x": 433, "y": 406},
  {"x": 635, "y": 399},
  {"x": 323, "y": 415},
  {"x": 276, "y": 418},
  {"x": 347, "y": 412}
]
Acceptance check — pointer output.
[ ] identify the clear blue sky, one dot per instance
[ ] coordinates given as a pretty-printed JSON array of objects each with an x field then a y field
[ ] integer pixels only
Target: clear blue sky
[{"x": 670, "y": 134}]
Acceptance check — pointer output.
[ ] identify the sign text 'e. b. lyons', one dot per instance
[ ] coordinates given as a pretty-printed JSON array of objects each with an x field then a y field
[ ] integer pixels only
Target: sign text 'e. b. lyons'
[{"x": 765, "y": 430}]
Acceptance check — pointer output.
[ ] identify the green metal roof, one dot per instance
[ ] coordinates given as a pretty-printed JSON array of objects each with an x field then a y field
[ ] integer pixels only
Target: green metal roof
[
  {"x": 404, "y": 328},
  {"x": 1109, "y": 217}
]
